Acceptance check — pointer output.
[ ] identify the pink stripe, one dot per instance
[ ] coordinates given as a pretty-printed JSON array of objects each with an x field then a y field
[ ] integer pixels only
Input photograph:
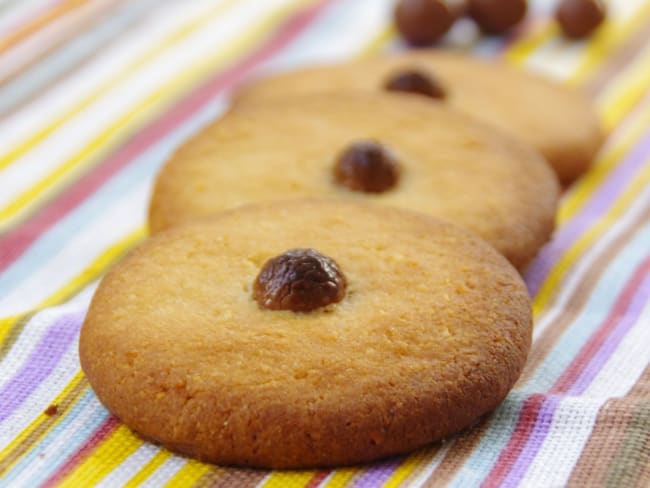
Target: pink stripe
[
  {"x": 541, "y": 428},
  {"x": 511, "y": 452},
  {"x": 517, "y": 456},
  {"x": 96, "y": 438},
  {"x": 611, "y": 343},
  {"x": 622, "y": 308},
  {"x": 317, "y": 479},
  {"x": 18, "y": 240}
]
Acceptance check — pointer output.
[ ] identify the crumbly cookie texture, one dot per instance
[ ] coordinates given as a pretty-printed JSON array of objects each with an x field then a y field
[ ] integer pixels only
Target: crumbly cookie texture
[
  {"x": 557, "y": 120},
  {"x": 448, "y": 165},
  {"x": 432, "y": 333}
]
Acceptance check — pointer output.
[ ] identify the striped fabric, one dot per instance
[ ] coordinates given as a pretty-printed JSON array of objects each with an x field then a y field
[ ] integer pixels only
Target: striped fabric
[{"x": 95, "y": 94}]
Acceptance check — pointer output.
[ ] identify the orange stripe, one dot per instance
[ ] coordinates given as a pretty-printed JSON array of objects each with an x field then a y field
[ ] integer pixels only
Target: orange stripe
[{"x": 38, "y": 23}]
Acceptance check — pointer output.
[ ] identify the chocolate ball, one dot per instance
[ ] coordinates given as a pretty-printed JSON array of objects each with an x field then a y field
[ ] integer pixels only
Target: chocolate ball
[
  {"x": 497, "y": 16},
  {"x": 422, "y": 22},
  {"x": 414, "y": 81},
  {"x": 366, "y": 166},
  {"x": 300, "y": 280},
  {"x": 579, "y": 18}
]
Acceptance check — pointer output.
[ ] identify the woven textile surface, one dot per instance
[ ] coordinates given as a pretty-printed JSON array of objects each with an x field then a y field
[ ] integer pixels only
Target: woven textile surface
[{"x": 95, "y": 94}]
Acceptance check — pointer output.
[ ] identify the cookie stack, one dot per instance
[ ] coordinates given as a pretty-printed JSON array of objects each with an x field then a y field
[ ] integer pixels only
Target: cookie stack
[{"x": 332, "y": 276}]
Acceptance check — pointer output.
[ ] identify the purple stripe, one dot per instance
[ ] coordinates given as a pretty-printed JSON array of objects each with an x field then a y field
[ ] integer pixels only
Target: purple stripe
[
  {"x": 41, "y": 362},
  {"x": 378, "y": 474},
  {"x": 544, "y": 420},
  {"x": 597, "y": 205},
  {"x": 534, "y": 443},
  {"x": 626, "y": 323}
]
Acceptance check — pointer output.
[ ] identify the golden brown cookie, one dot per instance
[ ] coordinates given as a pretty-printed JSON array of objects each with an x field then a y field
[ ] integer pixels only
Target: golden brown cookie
[
  {"x": 557, "y": 120},
  {"x": 428, "y": 332},
  {"x": 443, "y": 163}
]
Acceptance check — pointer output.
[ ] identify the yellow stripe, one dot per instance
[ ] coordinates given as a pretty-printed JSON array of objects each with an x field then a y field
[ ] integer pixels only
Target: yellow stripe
[
  {"x": 552, "y": 282},
  {"x": 349, "y": 473},
  {"x": 405, "y": 470},
  {"x": 123, "y": 127},
  {"x": 97, "y": 267},
  {"x": 6, "y": 323},
  {"x": 189, "y": 474},
  {"x": 148, "y": 469},
  {"x": 283, "y": 479},
  {"x": 91, "y": 272},
  {"x": 378, "y": 42},
  {"x": 608, "y": 161},
  {"x": 120, "y": 445},
  {"x": 38, "y": 421},
  {"x": 155, "y": 51},
  {"x": 606, "y": 39},
  {"x": 636, "y": 80},
  {"x": 37, "y": 23},
  {"x": 341, "y": 477},
  {"x": 522, "y": 48}
]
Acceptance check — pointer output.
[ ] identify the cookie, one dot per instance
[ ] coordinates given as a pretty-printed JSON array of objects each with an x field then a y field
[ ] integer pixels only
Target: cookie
[
  {"x": 423, "y": 157},
  {"x": 557, "y": 120},
  {"x": 411, "y": 329}
]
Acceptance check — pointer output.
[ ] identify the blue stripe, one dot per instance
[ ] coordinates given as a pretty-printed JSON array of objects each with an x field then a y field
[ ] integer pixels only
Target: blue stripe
[
  {"x": 63, "y": 452},
  {"x": 61, "y": 62},
  {"x": 504, "y": 421},
  {"x": 143, "y": 168}
]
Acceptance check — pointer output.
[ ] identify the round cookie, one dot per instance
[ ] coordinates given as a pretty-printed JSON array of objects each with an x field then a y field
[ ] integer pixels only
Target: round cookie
[
  {"x": 555, "y": 119},
  {"x": 432, "y": 331},
  {"x": 448, "y": 166}
]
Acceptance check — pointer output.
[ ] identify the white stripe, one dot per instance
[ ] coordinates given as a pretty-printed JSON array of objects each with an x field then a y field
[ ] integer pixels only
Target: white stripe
[
  {"x": 575, "y": 278},
  {"x": 41, "y": 398},
  {"x": 575, "y": 418},
  {"x": 109, "y": 194},
  {"x": 60, "y": 63},
  {"x": 560, "y": 57},
  {"x": 117, "y": 222},
  {"x": 432, "y": 465},
  {"x": 46, "y": 457},
  {"x": 128, "y": 468},
  {"x": 626, "y": 365},
  {"x": 573, "y": 422},
  {"x": 556, "y": 58},
  {"x": 49, "y": 36},
  {"x": 73, "y": 136},
  {"x": 34, "y": 330},
  {"x": 164, "y": 473},
  {"x": 623, "y": 10},
  {"x": 627, "y": 133},
  {"x": 625, "y": 79},
  {"x": 63, "y": 97},
  {"x": 17, "y": 14},
  {"x": 351, "y": 36},
  {"x": 263, "y": 481}
]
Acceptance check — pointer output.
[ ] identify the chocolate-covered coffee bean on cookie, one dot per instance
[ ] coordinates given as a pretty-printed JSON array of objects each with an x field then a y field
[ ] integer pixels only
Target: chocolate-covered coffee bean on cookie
[
  {"x": 557, "y": 120},
  {"x": 306, "y": 333},
  {"x": 497, "y": 16},
  {"x": 580, "y": 18},
  {"x": 383, "y": 148}
]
